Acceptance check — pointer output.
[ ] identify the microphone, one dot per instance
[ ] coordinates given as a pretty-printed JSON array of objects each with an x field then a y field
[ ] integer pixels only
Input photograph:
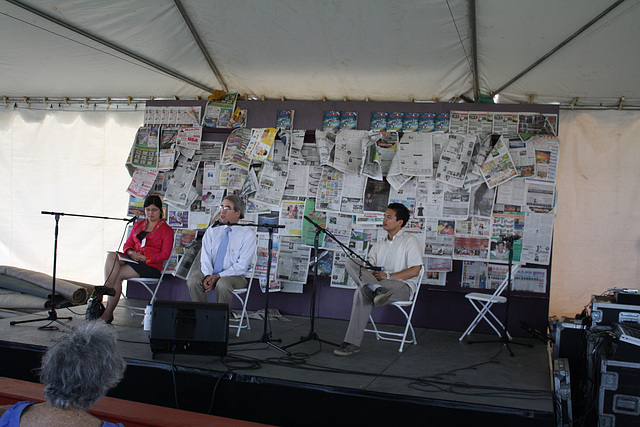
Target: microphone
[
  {"x": 134, "y": 219},
  {"x": 509, "y": 237},
  {"x": 217, "y": 222},
  {"x": 374, "y": 268}
]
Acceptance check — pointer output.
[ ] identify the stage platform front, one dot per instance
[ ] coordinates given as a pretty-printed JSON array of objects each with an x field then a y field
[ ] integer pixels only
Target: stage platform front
[{"x": 440, "y": 381}]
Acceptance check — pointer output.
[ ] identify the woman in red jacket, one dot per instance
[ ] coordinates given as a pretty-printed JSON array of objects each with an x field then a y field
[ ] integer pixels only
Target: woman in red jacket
[{"x": 150, "y": 244}]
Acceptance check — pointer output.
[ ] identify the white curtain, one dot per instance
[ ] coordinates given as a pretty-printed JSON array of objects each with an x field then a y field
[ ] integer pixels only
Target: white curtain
[
  {"x": 68, "y": 162},
  {"x": 74, "y": 163},
  {"x": 596, "y": 243}
]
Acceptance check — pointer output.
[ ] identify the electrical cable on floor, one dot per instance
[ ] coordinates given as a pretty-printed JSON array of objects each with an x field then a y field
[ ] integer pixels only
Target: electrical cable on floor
[
  {"x": 77, "y": 314},
  {"x": 240, "y": 363},
  {"x": 416, "y": 383},
  {"x": 236, "y": 362},
  {"x": 213, "y": 393},
  {"x": 48, "y": 327},
  {"x": 428, "y": 384},
  {"x": 173, "y": 376}
]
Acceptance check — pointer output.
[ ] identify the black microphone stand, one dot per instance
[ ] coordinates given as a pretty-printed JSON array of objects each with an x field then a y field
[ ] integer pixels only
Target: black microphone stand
[
  {"x": 53, "y": 315},
  {"x": 504, "y": 334},
  {"x": 312, "y": 335},
  {"x": 266, "y": 335},
  {"x": 366, "y": 263}
]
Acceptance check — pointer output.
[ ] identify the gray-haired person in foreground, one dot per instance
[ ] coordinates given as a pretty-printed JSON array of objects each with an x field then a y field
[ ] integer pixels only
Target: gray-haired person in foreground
[{"x": 77, "y": 371}]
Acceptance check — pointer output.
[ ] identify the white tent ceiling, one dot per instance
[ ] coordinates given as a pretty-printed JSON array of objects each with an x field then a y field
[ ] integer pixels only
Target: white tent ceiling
[{"x": 310, "y": 49}]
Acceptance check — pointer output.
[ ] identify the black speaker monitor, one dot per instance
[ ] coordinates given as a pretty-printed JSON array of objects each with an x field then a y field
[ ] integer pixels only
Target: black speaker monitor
[{"x": 189, "y": 327}]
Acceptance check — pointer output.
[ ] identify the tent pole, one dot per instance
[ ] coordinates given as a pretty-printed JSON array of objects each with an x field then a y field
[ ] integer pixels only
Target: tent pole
[
  {"x": 560, "y": 46},
  {"x": 203, "y": 48},
  {"x": 110, "y": 45},
  {"x": 474, "y": 49}
]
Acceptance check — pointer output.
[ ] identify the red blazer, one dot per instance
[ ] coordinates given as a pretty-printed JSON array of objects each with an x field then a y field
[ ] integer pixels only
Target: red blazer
[{"x": 158, "y": 243}]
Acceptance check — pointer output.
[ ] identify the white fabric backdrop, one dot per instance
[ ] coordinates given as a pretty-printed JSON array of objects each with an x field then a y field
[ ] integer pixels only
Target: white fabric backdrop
[
  {"x": 596, "y": 238},
  {"x": 63, "y": 162},
  {"x": 74, "y": 163}
]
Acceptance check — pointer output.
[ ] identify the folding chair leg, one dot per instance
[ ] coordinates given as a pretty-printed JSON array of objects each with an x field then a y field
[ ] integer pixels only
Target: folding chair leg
[
  {"x": 472, "y": 325},
  {"x": 489, "y": 301},
  {"x": 375, "y": 328},
  {"x": 243, "y": 317},
  {"x": 488, "y": 311},
  {"x": 404, "y": 340},
  {"x": 478, "y": 318},
  {"x": 498, "y": 331},
  {"x": 482, "y": 312}
]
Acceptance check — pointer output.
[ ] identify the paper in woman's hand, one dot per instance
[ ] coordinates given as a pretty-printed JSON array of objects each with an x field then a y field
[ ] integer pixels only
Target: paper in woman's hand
[{"x": 126, "y": 258}]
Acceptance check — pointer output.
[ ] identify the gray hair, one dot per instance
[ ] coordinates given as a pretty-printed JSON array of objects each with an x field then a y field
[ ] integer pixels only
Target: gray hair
[
  {"x": 82, "y": 366},
  {"x": 238, "y": 203}
]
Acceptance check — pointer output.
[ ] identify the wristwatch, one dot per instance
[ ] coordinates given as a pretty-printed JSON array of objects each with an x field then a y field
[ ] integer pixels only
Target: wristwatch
[{"x": 388, "y": 275}]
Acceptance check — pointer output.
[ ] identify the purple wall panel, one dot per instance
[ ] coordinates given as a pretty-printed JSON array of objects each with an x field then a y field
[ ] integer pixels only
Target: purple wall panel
[{"x": 437, "y": 307}]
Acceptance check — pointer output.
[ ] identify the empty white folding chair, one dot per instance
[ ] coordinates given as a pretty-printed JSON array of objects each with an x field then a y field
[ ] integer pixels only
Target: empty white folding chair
[
  {"x": 483, "y": 303},
  {"x": 242, "y": 295},
  {"x": 406, "y": 308}
]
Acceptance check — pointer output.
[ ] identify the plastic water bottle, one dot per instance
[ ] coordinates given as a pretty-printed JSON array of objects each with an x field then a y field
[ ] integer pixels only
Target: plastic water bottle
[{"x": 146, "y": 323}]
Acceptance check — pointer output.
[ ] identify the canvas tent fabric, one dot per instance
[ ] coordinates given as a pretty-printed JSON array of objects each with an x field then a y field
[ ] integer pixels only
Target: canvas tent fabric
[
  {"x": 596, "y": 242},
  {"x": 17, "y": 301},
  {"x": 310, "y": 49},
  {"x": 73, "y": 161},
  {"x": 70, "y": 291}
]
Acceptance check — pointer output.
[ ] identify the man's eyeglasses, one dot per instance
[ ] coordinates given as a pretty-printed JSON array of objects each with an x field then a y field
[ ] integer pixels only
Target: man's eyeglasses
[{"x": 226, "y": 208}]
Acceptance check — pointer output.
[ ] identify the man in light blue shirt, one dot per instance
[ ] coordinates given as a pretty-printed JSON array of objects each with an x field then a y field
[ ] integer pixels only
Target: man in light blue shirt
[{"x": 227, "y": 251}]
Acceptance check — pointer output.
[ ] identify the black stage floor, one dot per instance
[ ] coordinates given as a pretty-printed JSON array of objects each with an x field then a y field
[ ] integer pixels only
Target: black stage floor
[{"x": 438, "y": 381}]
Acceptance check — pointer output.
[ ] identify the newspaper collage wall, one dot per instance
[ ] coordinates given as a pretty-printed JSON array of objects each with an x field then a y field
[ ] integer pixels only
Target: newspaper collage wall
[{"x": 488, "y": 175}]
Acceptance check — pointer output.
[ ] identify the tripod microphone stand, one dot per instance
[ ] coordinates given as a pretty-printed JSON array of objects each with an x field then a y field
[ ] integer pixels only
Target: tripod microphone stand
[
  {"x": 266, "y": 335},
  {"x": 504, "y": 334},
  {"x": 53, "y": 315},
  {"x": 312, "y": 335}
]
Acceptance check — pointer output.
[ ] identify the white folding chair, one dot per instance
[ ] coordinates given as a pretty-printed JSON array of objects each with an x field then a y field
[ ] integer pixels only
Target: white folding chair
[
  {"x": 483, "y": 303},
  {"x": 406, "y": 308},
  {"x": 242, "y": 295},
  {"x": 147, "y": 283}
]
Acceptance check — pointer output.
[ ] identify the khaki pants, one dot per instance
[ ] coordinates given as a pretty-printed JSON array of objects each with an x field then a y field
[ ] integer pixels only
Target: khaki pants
[
  {"x": 362, "y": 305},
  {"x": 223, "y": 289}
]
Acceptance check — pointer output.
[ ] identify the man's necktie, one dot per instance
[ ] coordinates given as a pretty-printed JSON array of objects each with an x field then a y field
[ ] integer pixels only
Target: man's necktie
[{"x": 218, "y": 266}]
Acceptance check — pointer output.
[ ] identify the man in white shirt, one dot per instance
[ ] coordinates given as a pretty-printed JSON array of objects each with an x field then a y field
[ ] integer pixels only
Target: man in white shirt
[
  {"x": 401, "y": 256},
  {"x": 223, "y": 271}
]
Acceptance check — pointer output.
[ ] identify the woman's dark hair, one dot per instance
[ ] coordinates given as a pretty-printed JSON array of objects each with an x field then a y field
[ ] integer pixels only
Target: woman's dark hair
[
  {"x": 155, "y": 201},
  {"x": 402, "y": 213}
]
